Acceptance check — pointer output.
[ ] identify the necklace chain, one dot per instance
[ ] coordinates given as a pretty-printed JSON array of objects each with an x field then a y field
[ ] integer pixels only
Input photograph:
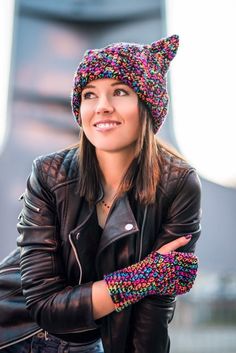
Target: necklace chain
[{"x": 105, "y": 204}]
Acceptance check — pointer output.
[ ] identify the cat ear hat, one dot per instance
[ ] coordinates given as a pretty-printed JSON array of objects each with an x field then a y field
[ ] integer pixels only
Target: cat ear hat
[{"x": 141, "y": 67}]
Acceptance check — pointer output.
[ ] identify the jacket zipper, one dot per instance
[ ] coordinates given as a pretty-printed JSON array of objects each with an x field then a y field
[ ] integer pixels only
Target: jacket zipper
[
  {"x": 9, "y": 269},
  {"x": 141, "y": 235},
  {"x": 80, "y": 278},
  {"x": 77, "y": 257},
  {"x": 21, "y": 197},
  {"x": 30, "y": 205},
  {"x": 74, "y": 248}
]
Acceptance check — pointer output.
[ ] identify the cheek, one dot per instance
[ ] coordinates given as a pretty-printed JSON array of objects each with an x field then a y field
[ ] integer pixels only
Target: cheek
[
  {"x": 85, "y": 114},
  {"x": 134, "y": 118},
  {"x": 132, "y": 126}
]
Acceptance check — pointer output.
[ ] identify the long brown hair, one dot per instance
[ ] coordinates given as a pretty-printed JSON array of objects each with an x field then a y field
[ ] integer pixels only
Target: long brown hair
[{"x": 144, "y": 172}]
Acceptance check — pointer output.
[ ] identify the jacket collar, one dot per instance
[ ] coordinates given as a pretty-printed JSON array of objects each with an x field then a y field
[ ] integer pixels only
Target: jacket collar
[{"x": 120, "y": 222}]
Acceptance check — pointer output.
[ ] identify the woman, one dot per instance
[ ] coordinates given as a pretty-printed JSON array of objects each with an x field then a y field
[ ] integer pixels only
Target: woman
[{"x": 101, "y": 221}]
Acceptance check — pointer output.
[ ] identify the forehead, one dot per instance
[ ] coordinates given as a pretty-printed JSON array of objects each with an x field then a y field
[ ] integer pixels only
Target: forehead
[{"x": 104, "y": 83}]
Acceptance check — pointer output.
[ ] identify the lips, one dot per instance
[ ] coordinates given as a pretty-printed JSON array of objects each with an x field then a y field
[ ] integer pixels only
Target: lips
[{"x": 106, "y": 125}]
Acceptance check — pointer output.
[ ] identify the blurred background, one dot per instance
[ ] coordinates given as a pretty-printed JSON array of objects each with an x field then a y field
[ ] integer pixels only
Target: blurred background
[{"x": 41, "y": 44}]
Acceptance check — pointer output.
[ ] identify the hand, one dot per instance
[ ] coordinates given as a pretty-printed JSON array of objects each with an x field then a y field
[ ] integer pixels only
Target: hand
[
  {"x": 174, "y": 245},
  {"x": 166, "y": 273}
]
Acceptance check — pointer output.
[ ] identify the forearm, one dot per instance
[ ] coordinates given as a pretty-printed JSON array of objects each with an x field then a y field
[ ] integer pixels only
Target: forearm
[
  {"x": 101, "y": 300},
  {"x": 168, "y": 274}
]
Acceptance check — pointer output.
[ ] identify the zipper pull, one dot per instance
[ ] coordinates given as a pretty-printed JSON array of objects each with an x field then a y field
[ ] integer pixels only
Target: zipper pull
[
  {"x": 46, "y": 336},
  {"x": 21, "y": 197}
]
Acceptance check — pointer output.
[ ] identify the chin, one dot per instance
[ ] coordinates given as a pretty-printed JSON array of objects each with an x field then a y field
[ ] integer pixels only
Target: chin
[{"x": 115, "y": 148}]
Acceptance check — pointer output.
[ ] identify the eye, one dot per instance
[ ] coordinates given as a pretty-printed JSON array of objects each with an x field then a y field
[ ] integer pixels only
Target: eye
[
  {"x": 120, "y": 92},
  {"x": 88, "y": 95}
]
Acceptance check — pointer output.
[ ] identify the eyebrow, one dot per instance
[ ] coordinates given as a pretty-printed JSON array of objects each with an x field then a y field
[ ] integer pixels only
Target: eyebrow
[{"x": 113, "y": 84}]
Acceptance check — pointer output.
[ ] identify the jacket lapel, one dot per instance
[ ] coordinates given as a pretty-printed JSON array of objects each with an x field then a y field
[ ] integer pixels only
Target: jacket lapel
[
  {"x": 84, "y": 238},
  {"x": 120, "y": 223}
]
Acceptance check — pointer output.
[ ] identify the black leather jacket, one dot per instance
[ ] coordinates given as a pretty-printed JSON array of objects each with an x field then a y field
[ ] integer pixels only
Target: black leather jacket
[{"x": 63, "y": 252}]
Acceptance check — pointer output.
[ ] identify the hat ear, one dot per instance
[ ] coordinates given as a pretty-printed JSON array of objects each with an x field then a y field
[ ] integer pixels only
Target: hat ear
[{"x": 165, "y": 50}]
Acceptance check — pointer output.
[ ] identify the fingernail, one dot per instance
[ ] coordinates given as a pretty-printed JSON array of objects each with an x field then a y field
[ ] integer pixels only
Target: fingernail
[{"x": 189, "y": 236}]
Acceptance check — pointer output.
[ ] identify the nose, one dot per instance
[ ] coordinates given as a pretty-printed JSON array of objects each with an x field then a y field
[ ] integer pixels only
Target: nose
[{"x": 104, "y": 105}]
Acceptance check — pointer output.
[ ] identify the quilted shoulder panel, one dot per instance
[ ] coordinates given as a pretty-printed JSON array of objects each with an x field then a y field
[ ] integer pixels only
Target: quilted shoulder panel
[
  {"x": 58, "y": 167},
  {"x": 173, "y": 173}
]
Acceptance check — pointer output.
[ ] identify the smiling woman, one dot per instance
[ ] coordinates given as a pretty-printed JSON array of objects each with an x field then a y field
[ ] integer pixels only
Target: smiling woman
[{"x": 105, "y": 218}]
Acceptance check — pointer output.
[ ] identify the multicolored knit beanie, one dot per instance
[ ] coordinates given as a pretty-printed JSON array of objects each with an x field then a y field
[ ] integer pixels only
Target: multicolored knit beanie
[{"x": 142, "y": 67}]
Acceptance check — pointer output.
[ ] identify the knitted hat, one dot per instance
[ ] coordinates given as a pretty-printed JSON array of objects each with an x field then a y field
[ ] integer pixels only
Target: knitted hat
[{"x": 142, "y": 67}]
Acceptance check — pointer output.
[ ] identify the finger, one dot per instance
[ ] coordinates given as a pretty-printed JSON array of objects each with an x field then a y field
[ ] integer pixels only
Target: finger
[{"x": 175, "y": 244}]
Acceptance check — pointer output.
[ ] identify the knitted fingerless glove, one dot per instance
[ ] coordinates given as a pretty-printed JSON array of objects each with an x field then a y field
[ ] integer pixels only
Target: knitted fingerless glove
[{"x": 169, "y": 274}]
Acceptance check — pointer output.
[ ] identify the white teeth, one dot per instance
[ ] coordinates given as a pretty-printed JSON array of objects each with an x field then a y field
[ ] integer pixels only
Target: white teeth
[{"x": 106, "y": 125}]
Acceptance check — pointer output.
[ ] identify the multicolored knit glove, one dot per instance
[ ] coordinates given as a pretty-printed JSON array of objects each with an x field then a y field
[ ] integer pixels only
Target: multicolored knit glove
[{"x": 170, "y": 274}]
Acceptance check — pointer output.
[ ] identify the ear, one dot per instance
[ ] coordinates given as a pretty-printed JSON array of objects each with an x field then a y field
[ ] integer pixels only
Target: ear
[{"x": 165, "y": 50}]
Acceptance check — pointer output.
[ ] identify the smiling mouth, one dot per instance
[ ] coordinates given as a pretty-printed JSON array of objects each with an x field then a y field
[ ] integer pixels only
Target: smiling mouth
[{"x": 106, "y": 125}]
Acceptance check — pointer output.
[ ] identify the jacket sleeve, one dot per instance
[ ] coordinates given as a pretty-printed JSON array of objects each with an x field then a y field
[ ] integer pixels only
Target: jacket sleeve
[
  {"x": 54, "y": 305},
  {"x": 184, "y": 213},
  {"x": 153, "y": 314}
]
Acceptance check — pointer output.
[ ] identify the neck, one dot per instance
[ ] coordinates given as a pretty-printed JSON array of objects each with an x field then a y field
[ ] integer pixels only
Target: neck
[{"x": 113, "y": 167}]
